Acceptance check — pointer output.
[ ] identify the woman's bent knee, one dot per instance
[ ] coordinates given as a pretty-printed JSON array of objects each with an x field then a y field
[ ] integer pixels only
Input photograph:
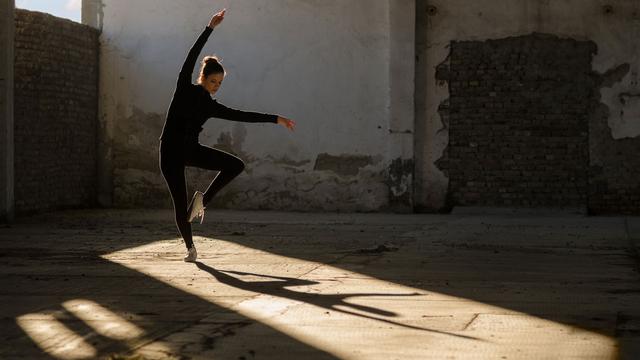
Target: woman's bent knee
[{"x": 238, "y": 166}]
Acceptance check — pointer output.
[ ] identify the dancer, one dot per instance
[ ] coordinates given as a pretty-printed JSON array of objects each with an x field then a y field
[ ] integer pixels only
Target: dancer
[{"x": 190, "y": 108}]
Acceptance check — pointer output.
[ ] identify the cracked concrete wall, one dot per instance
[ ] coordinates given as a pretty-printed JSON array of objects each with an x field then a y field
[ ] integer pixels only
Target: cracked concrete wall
[
  {"x": 347, "y": 83},
  {"x": 613, "y": 26}
]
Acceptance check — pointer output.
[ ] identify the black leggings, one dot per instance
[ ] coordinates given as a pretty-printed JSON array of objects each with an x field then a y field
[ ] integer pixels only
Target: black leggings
[{"x": 174, "y": 156}]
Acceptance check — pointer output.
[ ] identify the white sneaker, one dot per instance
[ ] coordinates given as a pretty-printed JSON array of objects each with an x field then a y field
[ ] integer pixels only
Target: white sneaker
[
  {"x": 197, "y": 207},
  {"x": 192, "y": 254}
]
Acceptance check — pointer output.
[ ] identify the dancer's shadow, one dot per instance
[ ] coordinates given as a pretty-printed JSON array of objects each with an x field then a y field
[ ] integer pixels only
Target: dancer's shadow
[{"x": 279, "y": 286}]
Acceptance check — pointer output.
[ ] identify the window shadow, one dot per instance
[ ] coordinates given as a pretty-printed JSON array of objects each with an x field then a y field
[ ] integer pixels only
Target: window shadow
[{"x": 42, "y": 269}]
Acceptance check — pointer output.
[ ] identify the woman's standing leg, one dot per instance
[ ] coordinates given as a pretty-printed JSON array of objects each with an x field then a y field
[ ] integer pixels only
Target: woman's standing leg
[
  {"x": 172, "y": 169},
  {"x": 209, "y": 158}
]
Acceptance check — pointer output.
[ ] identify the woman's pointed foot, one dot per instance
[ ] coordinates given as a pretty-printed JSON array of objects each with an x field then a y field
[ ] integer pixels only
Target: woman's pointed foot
[{"x": 196, "y": 208}]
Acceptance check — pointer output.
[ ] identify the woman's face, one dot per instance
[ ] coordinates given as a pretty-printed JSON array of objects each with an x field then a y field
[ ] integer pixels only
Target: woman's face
[{"x": 213, "y": 82}]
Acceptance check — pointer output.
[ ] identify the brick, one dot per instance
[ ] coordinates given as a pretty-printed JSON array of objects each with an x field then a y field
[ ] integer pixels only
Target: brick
[{"x": 56, "y": 97}]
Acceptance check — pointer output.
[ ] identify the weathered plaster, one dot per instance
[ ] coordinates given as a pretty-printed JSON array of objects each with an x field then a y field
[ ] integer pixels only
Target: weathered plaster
[
  {"x": 305, "y": 190},
  {"x": 400, "y": 184},
  {"x": 233, "y": 141},
  {"x": 623, "y": 104},
  {"x": 613, "y": 163},
  {"x": 343, "y": 165},
  {"x": 347, "y": 84}
]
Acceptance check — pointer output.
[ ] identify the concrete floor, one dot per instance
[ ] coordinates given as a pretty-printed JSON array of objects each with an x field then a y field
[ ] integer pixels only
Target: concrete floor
[{"x": 112, "y": 284}]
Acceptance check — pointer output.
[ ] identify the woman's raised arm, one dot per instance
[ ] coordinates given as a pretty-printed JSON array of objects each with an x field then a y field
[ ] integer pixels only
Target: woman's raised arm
[{"x": 184, "y": 79}]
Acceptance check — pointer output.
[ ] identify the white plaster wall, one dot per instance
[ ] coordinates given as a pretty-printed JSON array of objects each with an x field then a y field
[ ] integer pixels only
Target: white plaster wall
[
  {"x": 325, "y": 64},
  {"x": 615, "y": 33},
  {"x": 315, "y": 64}
]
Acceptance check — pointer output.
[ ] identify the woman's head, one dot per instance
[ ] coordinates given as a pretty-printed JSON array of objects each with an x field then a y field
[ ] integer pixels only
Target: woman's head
[{"x": 211, "y": 74}]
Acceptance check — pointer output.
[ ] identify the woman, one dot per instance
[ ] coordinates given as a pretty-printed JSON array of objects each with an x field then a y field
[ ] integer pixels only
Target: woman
[{"x": 190, "y": 108}]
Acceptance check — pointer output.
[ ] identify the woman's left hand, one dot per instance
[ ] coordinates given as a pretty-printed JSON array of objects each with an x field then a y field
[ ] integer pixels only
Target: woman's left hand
[{"x": 289, "y": 124}]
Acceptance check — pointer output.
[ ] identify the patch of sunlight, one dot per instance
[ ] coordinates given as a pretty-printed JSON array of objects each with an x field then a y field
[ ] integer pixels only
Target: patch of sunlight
[
  {"x": 352, "y": 315},
  {"x": 104, "y": 321},
  {"x": 55, "y": 338}
]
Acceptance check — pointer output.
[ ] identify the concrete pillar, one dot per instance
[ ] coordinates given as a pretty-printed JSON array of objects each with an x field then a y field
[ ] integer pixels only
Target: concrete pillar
[
  {"x": 7, "y": 203},
  {"x": 92, "y": 13},
  {"x": 423, "y": 198},
  {"x": 402, "y": 113}
]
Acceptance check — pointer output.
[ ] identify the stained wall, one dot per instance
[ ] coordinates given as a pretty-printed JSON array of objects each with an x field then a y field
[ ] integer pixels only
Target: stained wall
[{"x": 343, "y": 70}]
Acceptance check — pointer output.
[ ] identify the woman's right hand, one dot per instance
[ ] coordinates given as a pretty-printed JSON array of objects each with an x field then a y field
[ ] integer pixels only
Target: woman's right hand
[
  {"x": 288, "y": 123},
  {"x": 217, "y": 18}
]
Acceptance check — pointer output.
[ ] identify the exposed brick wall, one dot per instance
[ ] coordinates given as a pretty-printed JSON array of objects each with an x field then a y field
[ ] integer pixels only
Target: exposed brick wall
[
  {"x": 56, "y": 94},
  {"x": 518, "y": 121}
]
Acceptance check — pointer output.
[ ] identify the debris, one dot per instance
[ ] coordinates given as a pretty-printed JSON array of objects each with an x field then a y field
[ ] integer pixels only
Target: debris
[{"x": 379, "y": 249}]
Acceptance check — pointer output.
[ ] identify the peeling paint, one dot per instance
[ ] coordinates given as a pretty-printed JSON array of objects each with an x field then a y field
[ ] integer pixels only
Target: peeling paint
[
  {"x": 136, "y": 175},
  {"x": 301, "y": 190},
  {"x": 622, "y": 101},
  {"x": 232, "y": 142},
  {"x": 289, "y": 162},
  {"x": 615, "y": 75},
  {"x": 135, "y": 144},
  {"x": 442, "y": 76},
  {"x": 331, "y": 182},
  {"x": 614, "y": 129},
  {"x": 344, "y": 165},
  {"x": 400, "y": 183},
  {"x": 432, "y": 120}
]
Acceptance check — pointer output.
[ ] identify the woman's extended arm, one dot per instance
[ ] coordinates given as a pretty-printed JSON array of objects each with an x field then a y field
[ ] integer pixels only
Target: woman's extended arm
[
  {"x": 223, "y": 112},
  {"x": 220, "y": 111},
  {"x": 184, "y": 78}
]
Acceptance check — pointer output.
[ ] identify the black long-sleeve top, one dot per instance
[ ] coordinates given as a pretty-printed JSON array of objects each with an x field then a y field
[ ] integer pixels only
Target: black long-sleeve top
[{"x": 191, "y": 105}]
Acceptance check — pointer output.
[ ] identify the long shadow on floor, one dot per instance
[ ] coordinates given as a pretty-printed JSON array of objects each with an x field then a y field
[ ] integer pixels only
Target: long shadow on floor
[
  {"x": 590, "y": 287},
  {"x": 332, "y": 302},
  {"x": 151, "y": 305},
  {"x": 544, "y": 283}
]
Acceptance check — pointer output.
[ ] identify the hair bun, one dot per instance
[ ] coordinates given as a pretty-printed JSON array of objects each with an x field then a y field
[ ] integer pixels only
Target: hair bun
[{"x": 211, "y": 59}]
